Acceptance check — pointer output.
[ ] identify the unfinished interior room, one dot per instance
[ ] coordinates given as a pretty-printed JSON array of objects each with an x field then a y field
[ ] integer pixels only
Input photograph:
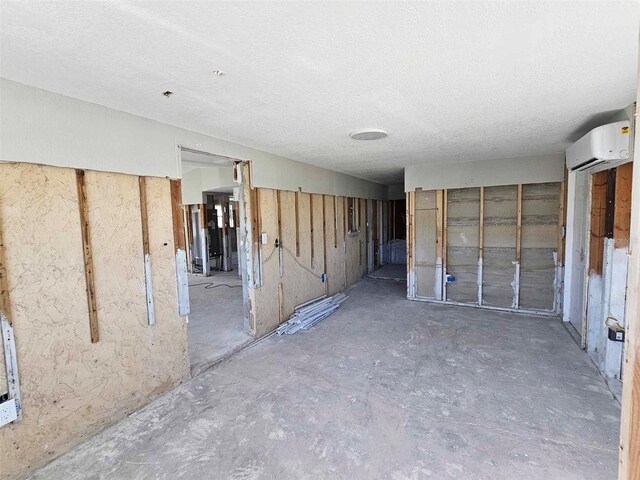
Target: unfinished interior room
[{"x": 319, "y": 240}]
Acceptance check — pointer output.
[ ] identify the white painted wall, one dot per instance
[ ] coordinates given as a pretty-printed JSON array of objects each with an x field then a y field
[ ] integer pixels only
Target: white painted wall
[
  {"x": 199, "y": 180},
  {"x": 38, "y": 126},
  {"x": 486, "y": 173},
  {"x": 396, "y": 192}
]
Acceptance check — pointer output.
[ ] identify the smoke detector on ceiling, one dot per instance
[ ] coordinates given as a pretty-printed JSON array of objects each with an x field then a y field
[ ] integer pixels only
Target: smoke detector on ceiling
[{"x": 369, "y": 134}]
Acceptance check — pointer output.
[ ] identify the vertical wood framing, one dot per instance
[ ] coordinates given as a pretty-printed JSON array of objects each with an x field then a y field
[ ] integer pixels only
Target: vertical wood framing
[
  {"x": 411, "y": 278},
  {"x": 179, "y": 245},
  {"x": 335, "y": 221},
  {"x": 444, "y": 244},
  {"x": 280, "y": 251},
  {"x": 345, "y": 205},
  {"x": 622, "y": 215},
  {"x": 88, "y": 257},
  {"x": 439, "y": 280},
  {"x": 516, "y": 278},
  {"x": 297, "y": 220},
  {"x": 5, "y": 306},
  {"x": 280, "y": 303},
  {"x": 151, "y": 318},
  {"x": 480, "y": 246},
  {"x": 311, "y": 225},
  {"x": 560, "y": 255},
  {"x": 324, "y": 242}
]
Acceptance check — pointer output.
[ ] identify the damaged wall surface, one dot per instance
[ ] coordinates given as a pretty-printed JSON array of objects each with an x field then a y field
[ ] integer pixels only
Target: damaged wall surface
[
  {"x": 70, "y": 386},
  {"x": 497, "y": 246},
  {"x": 307, "y": 251}
]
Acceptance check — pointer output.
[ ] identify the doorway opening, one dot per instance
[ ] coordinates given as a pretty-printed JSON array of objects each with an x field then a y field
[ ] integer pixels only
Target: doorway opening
[
  {"x": 392, "y": 232},
  {"x": 216, "y": 323}
]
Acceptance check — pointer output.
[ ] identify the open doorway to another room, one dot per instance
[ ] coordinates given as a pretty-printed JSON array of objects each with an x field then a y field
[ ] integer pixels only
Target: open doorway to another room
[
  {"x": 392, "y": 228},
  {"x": 216, "y": 322}
]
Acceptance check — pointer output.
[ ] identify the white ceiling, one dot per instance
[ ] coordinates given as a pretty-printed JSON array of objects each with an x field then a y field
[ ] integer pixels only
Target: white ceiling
[{"x": 451, "y": 81}]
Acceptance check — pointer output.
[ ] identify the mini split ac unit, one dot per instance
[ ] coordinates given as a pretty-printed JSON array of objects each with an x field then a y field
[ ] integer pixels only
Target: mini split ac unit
[{"x": 607, "y": 144}]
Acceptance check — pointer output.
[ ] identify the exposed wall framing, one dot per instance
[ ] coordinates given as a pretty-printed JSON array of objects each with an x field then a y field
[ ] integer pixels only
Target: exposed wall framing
[
  {"x": 495, "y": 247},
  {"x": 144, "y": 220}
]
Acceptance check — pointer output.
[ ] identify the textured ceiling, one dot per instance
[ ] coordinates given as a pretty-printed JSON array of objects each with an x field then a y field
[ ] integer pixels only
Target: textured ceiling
[{"x": 451, "y": 81}]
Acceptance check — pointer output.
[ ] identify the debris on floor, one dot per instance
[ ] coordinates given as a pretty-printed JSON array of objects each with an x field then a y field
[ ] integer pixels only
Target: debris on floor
[{"x": 308, "y": 314}]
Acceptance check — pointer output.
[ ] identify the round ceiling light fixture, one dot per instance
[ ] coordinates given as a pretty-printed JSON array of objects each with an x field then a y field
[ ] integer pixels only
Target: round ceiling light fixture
[{"x": 369, "y": 134}]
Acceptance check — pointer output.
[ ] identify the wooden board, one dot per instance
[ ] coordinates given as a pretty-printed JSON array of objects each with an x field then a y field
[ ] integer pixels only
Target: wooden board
[
  {"x": 88, "y": 259},
  {"x": 622, "y": 210}
]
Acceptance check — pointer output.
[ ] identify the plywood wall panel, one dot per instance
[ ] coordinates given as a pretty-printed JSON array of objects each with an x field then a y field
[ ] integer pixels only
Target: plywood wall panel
[{"x": 71, "y": 387}]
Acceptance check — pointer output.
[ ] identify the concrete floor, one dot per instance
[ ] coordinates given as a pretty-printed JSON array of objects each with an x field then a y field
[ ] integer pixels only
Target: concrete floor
[
  {"x": 215, "y": 323},
  {"x": 391, "y": 272},
  {"x": 384, "y": 388}
]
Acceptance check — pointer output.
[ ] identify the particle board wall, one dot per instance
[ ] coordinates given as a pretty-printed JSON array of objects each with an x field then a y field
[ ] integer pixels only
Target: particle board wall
[
  {"x": 501, "y": 246},
  {"x": 71, "y": 387},
  {"x": 306, "y": 226}
]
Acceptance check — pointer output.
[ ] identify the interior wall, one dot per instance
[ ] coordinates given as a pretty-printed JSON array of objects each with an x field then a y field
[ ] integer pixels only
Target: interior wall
[
  {"x": 315, "y": 254},
  {"x": 496, "y": 246},
  {"x": 199, "y": 180},
  {"x": 43, "y": 127},
  {"x": 70, "y": 386},
  {"x": 486, "y": 173}
]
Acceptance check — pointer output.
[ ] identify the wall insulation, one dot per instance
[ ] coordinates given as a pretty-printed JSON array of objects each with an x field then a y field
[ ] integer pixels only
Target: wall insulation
[
  {"x": 500, "y": 243},
  {"x": 70, "y": 386}
]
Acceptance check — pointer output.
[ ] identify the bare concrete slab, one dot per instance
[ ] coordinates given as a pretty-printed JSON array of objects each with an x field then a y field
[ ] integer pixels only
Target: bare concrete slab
[
  {"x": 391, "y": 272},
  {"x": 383, "y": 389},
  {"x": 215, "y": 323}
]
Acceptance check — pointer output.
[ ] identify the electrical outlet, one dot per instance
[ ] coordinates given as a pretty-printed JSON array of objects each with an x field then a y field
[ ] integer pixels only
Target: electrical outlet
[{"x": 8, "y": 412}]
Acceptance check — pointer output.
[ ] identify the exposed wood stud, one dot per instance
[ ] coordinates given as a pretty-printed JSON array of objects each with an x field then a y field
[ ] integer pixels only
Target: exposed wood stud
[
  {"x": 88, "y": 257},
  {"x": 444, "y": 244},
  {"x": 280, "y": 303},
  {"x": 561, "y": 222},
  {"x": 324, "y": 242},
  {"x": 622, "y": 211},
  {"x": 5, "y": 306},
  {"x": 176, "y": 209},
  {"x": 439, "y": 281},
  {"x": 311, "y": 226},
  {"x": 519, "y": 225},
  {"x": 481, "y": 246},
  {"x": 335, "y": 221},
  {"x": 204, "y": 238},
  {"x": 597, "y": 215},
  {"x": 516, "y": 282},
  {"x": 146, "y": 250},
  {"x": 345, "y": 205},
  {"x": 297, "y": 220}
]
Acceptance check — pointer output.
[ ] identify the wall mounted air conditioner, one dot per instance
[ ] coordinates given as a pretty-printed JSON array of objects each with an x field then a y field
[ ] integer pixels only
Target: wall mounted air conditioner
[{"x": 607, "y": 144}]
